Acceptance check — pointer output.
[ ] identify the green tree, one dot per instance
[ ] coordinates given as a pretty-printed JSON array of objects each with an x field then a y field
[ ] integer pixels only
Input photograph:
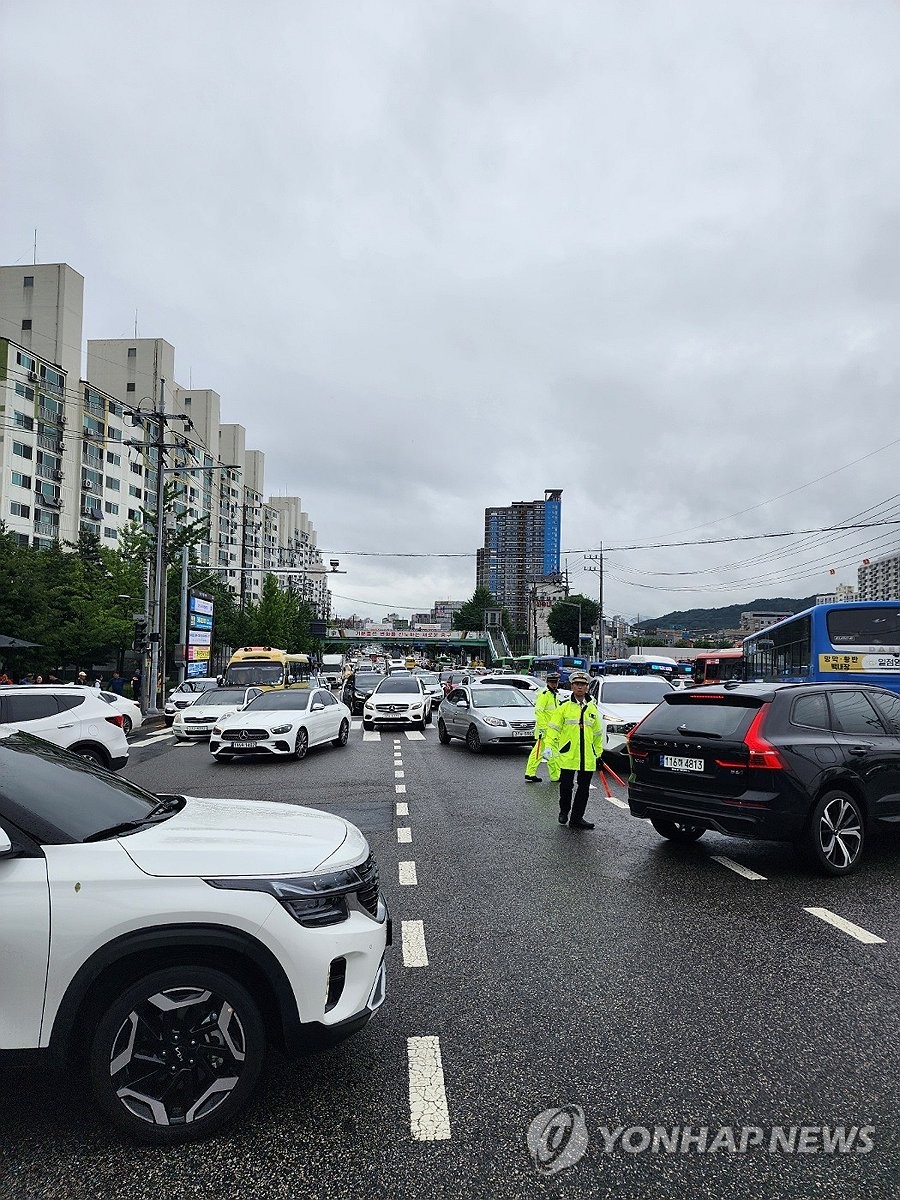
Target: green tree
[
  {"x": 562, "y": 620},
  {"x": 471, "y": 615}
]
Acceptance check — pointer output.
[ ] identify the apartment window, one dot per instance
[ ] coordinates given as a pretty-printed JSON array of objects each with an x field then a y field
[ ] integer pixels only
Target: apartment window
[
  {"x": 114, "y": 459},
  {"x": 136, "y": 469},
  {"x": 27, "y": 393},
  {"x": 22, "y": 450},
  {"x": 112, "y": 509},
  {"x": 23, "y": 421},
  {"x": 110, "y": 533},
  {"x": 28, "y": 281},
  {"x": 135, "y": 492},
  {"x": 26, "y": 324},
  {"x": 19, "y": 510},
  {"x": 112, "y": 484},
  {"x": 20, "y": 480},
  {"x": 132, "y": 351},
  {"x": 26, "y": 361},
  {"x": 132, "y": 514},
  {"x": 129, "y": 387}
]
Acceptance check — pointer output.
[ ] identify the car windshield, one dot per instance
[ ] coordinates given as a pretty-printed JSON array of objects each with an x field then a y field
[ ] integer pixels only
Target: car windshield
[
  {"x": 366, "y": 679},
  {"x": 429, "y": 680},
  {"x": 398, "y": 683},
  {"x": 221, "y": 698},
  {"x": 60, "y": 798},
  {"x": 641, "y": 691},
  {"x": 499, "y": 697},
  {"x": 279, "y": 701},
  {"x": 198, "y": 685}
]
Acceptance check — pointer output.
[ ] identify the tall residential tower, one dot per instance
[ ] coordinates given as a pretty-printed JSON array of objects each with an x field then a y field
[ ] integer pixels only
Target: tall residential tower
[{"x": 521, "y": 547}]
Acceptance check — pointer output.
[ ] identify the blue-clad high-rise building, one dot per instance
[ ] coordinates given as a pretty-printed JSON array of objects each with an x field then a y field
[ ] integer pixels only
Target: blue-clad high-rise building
[{"x": 521, "y": 546}]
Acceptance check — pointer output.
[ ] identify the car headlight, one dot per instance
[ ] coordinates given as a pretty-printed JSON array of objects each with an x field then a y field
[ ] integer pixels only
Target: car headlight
[
  {"x": 216, "y": 731},
  {"x": 281, "y": 729},
  {"x": 610, "y": 728},
  {"x": 315, "y": 900},
  {"x": 493, "y": 721}
]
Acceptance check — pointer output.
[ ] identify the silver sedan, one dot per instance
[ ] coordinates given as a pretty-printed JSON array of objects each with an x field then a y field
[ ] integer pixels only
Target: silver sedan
[{"x": 483, "y": 715}]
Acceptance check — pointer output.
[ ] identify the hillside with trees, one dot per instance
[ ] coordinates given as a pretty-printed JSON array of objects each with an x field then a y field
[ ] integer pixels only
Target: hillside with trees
[{"x": 723, "y": 618}]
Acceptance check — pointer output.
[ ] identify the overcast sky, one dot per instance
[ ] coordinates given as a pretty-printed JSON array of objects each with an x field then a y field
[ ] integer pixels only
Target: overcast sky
[{"x": 446, "y": 254}]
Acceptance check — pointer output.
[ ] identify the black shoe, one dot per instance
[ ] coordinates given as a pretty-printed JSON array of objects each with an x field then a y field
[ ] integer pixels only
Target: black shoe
[
  {"x": 581, "y": 824},
  {"x": 532, "y": 779},
  {"x": 563, "y": 818}
]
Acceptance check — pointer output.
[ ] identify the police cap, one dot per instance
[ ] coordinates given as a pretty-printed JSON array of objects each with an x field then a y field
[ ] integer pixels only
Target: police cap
[{"x": 579, "y": 677}]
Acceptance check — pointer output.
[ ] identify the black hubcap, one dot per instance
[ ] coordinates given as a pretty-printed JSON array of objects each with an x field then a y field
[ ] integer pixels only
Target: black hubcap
[{"x": 177, "y": 1056}]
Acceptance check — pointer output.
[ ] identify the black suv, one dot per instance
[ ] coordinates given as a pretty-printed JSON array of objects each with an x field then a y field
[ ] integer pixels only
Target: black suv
[
  {"x": 815, "y": 764},
  {"x": 358, "y": 688}
]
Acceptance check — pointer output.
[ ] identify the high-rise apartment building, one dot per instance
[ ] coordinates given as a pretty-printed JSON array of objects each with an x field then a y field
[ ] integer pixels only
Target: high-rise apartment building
[
  {"x": 80, "y": 454},
  {"x": 880, "y": 578},
  {"x": 521, "y": 547}
]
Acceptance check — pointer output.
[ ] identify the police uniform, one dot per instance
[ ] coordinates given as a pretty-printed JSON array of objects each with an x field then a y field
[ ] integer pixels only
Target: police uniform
[
  {"x": 545, "y": 706},
  {"x": 575, "y": 739}
]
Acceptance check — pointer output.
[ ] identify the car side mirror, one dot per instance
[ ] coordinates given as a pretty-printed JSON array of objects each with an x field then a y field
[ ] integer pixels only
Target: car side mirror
[
  {"x": 5, "y": 844},
  {"x": 462, "y": 704},
  {"x": 317, "y": 707}
]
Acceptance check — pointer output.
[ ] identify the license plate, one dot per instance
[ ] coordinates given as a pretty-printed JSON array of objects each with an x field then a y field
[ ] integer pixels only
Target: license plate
[
  {"x": 672, "y": 762},
  {"x": 245, "y": 745},
  {"x": 522, "y": 733}
]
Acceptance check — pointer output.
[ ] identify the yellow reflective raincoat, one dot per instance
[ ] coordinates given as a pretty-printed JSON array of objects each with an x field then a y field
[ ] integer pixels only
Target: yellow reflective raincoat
[{"x": 575, "y": 735}]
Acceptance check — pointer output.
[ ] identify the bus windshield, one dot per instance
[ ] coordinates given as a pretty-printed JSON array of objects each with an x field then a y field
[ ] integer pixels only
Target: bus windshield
[{"x": 255, "y": 674}]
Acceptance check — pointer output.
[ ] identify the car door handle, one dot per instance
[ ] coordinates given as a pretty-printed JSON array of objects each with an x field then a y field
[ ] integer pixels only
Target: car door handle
[
  {"x": 864, "y": 749},
  {"x": 70, "y": 725}
]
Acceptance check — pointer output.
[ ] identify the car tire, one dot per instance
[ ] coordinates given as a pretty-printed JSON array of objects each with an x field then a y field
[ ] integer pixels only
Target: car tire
[
  {"x": 169, "y": 720},
  {"x": 443, "y": 736},
  {"x": 368, "y": 726},
  {"x": 165, "y": 1016},
  {"x": 344, "y": 734},
  {"x": 90, "y": 754},
  {"x": 677, "y": 831},
  {"x": 473, "y": 741},
  {"x": 127, "y": 725},
  {"x": 429, "y": 717},
  {"x": 836, "y": 833},
  {"x": 301, "y": 746}
]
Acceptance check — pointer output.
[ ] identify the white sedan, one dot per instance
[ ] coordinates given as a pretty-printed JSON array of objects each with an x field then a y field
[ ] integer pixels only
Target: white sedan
[
  {"x": 624, "y": 701},
  {"x": 281, "y": 724},
  {"x": 132, "y": 717},
  {"x": 199, "y": 717}
]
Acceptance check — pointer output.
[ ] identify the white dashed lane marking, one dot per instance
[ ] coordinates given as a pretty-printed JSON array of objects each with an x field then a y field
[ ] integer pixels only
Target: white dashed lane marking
[
  {"x": 407, "y": 874},
  {"x": 617, "y": 802},
  {"x": 402, "y": 808},
  {"x": 429, "y": 1120},
  {"x": 371, "y": 735},
  {"x": 413, "y": 735},
  {"x": 400, "y": 787},
  {"x": 855, "y": 931},
  {"x": 404, "y": 834},
  {"x": 737, "y": 867},
  {"x": 398, "y": 775},
  {"x": 414, "y": 952}
]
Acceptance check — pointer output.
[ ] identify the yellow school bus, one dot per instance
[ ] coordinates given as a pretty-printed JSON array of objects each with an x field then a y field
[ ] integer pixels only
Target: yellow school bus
[{"x": 267, "y": 667}]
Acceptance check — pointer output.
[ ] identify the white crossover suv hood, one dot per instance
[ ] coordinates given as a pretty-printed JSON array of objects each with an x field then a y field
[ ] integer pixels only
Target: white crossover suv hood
[{"x": 232, "y": 838}]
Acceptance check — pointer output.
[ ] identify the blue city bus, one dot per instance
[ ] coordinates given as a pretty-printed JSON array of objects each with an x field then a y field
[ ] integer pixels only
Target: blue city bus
[
  {"x": 853, "y": 642},
  {"x": 563, "y": 663},
  {"x": 640, "y": 664}
]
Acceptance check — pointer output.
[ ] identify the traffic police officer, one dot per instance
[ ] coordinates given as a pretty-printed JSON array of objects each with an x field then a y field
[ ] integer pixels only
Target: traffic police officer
[
  {"x": 574, "y": 741},
  {"x": 545, "y": 706}
]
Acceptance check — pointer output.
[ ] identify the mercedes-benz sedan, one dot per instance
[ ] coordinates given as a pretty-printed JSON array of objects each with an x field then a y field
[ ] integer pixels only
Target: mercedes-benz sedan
[{"x": 282, "y": 724}]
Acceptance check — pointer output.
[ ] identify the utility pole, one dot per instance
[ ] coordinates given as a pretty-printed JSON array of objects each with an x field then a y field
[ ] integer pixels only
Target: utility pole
[
  {"x": 598, "y": 570},
  {"x": 159, "y": 608}
]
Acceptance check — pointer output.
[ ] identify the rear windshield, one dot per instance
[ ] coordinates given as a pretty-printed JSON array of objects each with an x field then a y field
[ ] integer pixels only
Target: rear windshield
[
  {"x": 701, "y": 719},
  {"x": 641, "y": 691}
]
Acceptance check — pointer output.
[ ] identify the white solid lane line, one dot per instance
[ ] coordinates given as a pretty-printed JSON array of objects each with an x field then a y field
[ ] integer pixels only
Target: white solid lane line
[
  {"x": 404, "y": 834},
  {"x": 617, "y": 802},
  {"x": 414, "y": 952},
  {"x": 408, "y": 877},
  {"x": 371, "y": 735},
  {"x": 400, "y": 787},
  {"x": 855, "y": 931},
  {"x": 402, "y": 808},
  {"x": 737, "y": 867},
  {"x": 429, "y": 1120}
]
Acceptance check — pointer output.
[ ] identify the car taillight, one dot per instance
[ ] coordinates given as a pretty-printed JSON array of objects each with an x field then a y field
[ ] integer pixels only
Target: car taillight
[
  {"x": 762, "y": 753},
  {"x": 118, "y": 719}
]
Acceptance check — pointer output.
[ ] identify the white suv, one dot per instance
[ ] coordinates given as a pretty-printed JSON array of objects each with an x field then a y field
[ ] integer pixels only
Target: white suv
[
  {"x": 72, "y": 717},
  {"x": 162, "y": 950}
]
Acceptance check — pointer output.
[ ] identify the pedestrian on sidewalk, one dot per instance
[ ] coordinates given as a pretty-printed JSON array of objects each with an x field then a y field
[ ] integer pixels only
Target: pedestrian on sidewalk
[
  {"x": 545, "y": 705},
  {"x": 574, "y": 739}
]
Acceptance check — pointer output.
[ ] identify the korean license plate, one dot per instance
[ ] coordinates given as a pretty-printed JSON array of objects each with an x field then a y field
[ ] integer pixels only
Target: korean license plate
[
  {"x": 246, "y": 745},
  {"x": 523, "y": 733},
  {"x": 673, "y": 762}
]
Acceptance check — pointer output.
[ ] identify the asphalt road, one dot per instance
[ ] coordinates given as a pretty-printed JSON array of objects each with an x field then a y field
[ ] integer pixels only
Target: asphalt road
[{"x": 648, "y": 984}]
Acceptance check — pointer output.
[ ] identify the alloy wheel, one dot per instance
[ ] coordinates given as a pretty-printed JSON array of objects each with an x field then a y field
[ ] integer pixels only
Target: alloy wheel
[{"x": 839, "y": 832}]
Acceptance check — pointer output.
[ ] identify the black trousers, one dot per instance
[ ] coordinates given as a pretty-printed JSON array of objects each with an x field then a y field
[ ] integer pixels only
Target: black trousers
[{"x": 566, "y": 803}]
